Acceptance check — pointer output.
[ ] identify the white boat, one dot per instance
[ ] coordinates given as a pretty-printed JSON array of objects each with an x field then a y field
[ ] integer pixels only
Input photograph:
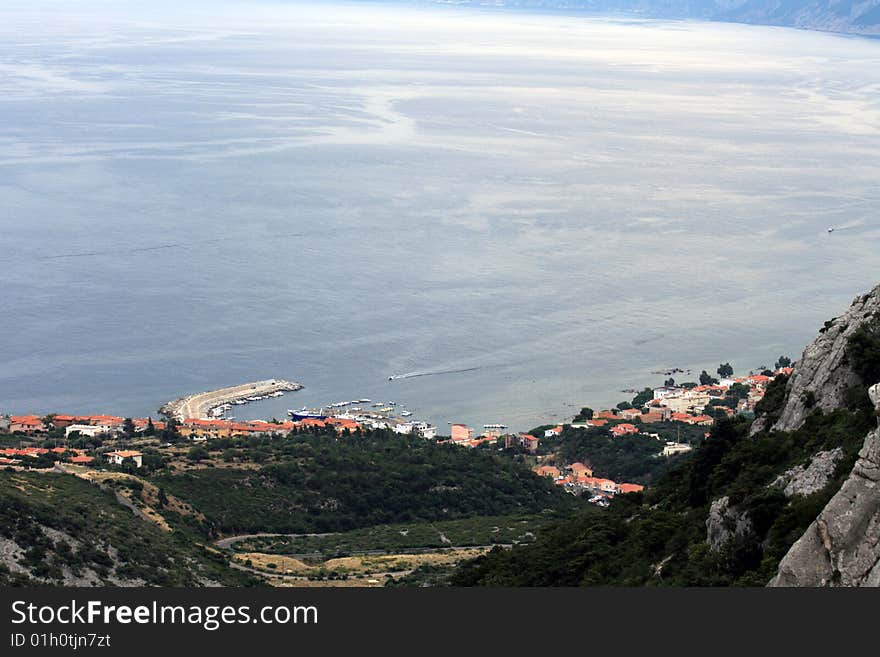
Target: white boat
[{"x": 406, "y": 413}]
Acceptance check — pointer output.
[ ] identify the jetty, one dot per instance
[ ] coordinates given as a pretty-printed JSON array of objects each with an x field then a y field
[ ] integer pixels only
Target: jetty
[{"x": 199, "y": 405}]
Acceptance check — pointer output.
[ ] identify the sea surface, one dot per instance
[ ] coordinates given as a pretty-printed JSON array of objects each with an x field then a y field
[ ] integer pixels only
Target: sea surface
[{"x": 530, "y": 211}]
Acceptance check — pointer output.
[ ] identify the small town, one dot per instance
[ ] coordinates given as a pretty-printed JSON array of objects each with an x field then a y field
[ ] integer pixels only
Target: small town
[{"x": 687, "y": 404}]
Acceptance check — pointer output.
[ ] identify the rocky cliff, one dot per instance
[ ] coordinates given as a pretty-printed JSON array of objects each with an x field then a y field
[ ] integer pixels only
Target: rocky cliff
[
  {"x": 823, "y": 376},
  {"x": 842, "y": 546}
]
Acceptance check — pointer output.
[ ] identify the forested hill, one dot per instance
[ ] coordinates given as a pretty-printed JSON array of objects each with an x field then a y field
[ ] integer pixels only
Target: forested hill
[{"x": 849, "y": 16}]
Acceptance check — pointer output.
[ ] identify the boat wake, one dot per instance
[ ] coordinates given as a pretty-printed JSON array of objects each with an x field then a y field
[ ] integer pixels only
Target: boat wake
[{"x": 412, "y": 375}]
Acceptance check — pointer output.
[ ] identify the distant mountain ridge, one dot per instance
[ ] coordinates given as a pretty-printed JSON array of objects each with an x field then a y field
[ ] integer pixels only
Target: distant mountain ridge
[{"x": 845, "y": 16}]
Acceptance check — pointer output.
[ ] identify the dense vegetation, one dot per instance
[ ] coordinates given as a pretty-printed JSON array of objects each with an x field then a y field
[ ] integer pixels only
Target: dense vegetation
[
  {"x": 70, "y": 531},
  {"x": 634, "y": 458},
  {"x": 483, "y": 530},
  {"x": 659, "y": 537},
  {"x": 324, "y": 484}
]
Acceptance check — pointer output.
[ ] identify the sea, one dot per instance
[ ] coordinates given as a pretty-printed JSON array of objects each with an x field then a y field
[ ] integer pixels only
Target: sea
[{"x": 514, "y": 214}]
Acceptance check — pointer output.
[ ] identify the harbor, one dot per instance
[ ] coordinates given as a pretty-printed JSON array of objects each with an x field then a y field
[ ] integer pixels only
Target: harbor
[{"x": 204, "y": 405}]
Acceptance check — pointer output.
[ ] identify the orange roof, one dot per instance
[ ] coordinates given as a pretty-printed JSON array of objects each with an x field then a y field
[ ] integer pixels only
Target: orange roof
[
  {"x": 27, "y": 419},
  {"x": 624, "y": 428},
  {"x": 631, "y": 488},
  {"x": 124, "y": 454},
  {"x": 82, "y": 458}
]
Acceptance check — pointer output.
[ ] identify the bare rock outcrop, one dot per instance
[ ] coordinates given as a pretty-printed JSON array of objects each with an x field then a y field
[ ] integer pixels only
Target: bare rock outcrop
[
  {"x": 806, "y": 480},
  {"x": 842, "y": 546},
  {"x": 822, "y": 377},
  {"x": 725, "y": 523}
]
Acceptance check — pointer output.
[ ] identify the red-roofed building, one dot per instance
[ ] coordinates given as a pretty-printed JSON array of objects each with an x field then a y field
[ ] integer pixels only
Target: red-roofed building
[
  {"x": 27, "y": 424},
  {"x": 624, "y": 429},
  {"x": 82, "y": 459},
  {"x": 552, "y": 433},
  {"x": 630, "y": 488},
  {"x": 547, "y": 471}
]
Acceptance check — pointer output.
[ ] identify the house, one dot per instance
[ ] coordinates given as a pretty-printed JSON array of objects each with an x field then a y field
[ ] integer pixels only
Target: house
[
  {"x": 671, "y": 448},
  {"x": 529, "y": 442},
  {"x": 596, "y": 483},
  {"x": 425, "y": 430},
  {"x": 548, "y": 471},
  {"x": 5, "y": 423},
  {"x": 82, "y": 459},
  {"x": 524, "y": 440},
  {"x": 630, "y": 488},
  {"x": 552, "y": 433},
  {"x": 589, "y": 424},
  {"x": 29, "y": 425},
  {"x": 630, "y": 413},
  {"x": 667, "y": 391},
  {"x": 461, "y": 433},
  {"x": 87, "y": 430},
  {"x": 63, "y": 421},
  {"x": 624, "y": 429},
  {"x": 118, "y": 457},
  {"x": 581, "y": 470}
]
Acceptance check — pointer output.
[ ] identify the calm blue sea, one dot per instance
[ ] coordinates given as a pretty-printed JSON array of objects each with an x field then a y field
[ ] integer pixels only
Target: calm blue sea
[{"x": 534, "y": 211}]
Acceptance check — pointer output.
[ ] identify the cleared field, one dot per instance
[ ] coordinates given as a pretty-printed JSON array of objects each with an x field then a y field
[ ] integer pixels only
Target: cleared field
[
  {"x": 486, "y": 530},
  {"x": 375, "y": 565}
]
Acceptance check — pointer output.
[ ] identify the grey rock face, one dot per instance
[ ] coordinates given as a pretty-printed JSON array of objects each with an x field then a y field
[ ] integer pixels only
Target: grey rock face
[
  {"x": 811, "y": 479},
  {"x": 822, "y": 377},
  {"x": 725, "y": 523},
  {"x": 842, "y": 546}
]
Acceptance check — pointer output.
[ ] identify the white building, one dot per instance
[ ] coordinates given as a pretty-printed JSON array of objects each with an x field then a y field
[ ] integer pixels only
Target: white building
[{"x": 118, "y": 457}]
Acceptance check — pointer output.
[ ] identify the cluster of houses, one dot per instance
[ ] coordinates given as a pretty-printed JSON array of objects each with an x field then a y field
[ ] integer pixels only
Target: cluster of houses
[
  {"x": 578, "y": 479},
  {"x": 85, "y": 425},
  {"x": 14, "y": 456}
]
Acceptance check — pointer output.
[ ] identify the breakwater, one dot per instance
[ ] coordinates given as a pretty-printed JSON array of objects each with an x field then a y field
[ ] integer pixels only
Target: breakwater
[{"x": 200, "y": 404}]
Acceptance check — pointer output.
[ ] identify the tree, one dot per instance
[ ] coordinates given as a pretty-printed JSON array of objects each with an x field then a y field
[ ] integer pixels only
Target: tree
[
  {"x": 585, "y": 414},
  {"x": 128, "y": 427},
  {"x": 783, "y": 361},
  {"x": 669, "y": 382},
  {"x": 151, "y": 429},
  {"x": 725, "y": 370},
  {"x": 163, "y": 498},
  {"x": 706, "y": 379},
  {"x": 197, "y": 454},
  {"x": 624, "y": 405},
  {"x": 738, "y": 390},
  {"x": 643, "y": 398}
]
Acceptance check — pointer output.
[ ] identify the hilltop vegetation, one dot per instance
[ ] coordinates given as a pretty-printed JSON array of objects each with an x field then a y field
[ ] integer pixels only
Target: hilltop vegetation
[
  {"x": 321, "y": 483},
  {"x": 56, "y": 529}
]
